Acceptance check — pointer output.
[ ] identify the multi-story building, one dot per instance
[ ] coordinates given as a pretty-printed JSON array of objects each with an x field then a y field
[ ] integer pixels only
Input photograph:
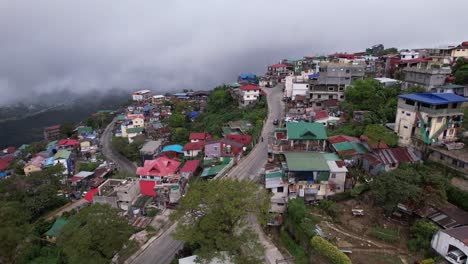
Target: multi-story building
[
  {"x": 428, "y": 77},
  {"x": 298, "y": 136},
  {"x": 52, "y": 132},
  {"x": 426, "y": 118},
  {"x": 249, "y": 94},
  {"x": 141, "y": 95},
  {"x": 117, "y": 193}
]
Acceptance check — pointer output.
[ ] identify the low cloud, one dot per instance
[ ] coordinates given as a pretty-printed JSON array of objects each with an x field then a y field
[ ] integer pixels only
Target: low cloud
[{"x": 91, "y": 45}]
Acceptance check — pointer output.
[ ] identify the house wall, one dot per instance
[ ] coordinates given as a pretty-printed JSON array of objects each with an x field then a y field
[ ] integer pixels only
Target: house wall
[
  {"x": 250, "y": 95},
  {"x": 460, "y": 52},
  {"x": 370, "y": 168},
  {"x": 191, "y": 153},
  {"x": 30, "y": 169},
  {"x": 300, "y": 89},
  {"x": 288, "y": 86},
  {"x": 128, "y": 194},
  {"x": 457, "y": 164},
  {"x": 337, "y": 178},
  {"x": 85, "y": 144},
  {"x": 213, "y": 150},
  {"x": 441, "y": 242},
  {"x": 110, "y": 200},
  {"x": 427, "y": 78}
]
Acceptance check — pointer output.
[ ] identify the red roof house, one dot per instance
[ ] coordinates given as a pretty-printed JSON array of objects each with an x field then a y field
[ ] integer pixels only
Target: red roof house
[
  {"x": 249, "y": 87},
  {"x": 161, "y": 167},
  {"x": 342, "y": 138},
  {"x": 4, "y": 162},
  {"x": 89, "y": 195},
  {"x": 279, "y": 65},
  {"x": 190, "y": 167},
  {"x": 9, "y": 150},
  {"x": 322, "y": 114},
  {"x": 194, "y": 146},
  {"x": 241, "y": 139},
  {"x": 199, "y": 137},
  {"x": 147, "y": 188},
  {"x": 67, "y": 143}
]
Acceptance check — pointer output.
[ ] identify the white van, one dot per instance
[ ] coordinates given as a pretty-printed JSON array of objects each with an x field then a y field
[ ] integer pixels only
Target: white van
[{"x": 456, "y": 256}]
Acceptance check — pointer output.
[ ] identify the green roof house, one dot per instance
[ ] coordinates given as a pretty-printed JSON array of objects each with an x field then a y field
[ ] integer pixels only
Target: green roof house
[
  {"x": 84, "y": 130},
  {"x": 304, "y": 136},
  {"x": 54, "y": 231}
]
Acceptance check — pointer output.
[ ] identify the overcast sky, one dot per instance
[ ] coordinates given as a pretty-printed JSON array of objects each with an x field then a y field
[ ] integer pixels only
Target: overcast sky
[{"x": 172, "y": 45}]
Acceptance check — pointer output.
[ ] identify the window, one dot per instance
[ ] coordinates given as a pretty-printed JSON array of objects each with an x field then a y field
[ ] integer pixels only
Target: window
[
  {"x": 318, "y": 96},
  {"x": 402, "y": 112},
  {"x": 307, "y": 86},
  {"x": 451, "y": 132},
  {"x": 280, "y": 189},
  {"x": 330, "y": 88},
  {"x": 318, "y": 104},
  {"x": 408, "y": 114},
  {"x": 341, "y": 88},
  {"x": 330, "y": 96},
  {"x": 333, "y": 176},
  {"x": 280, "y": 204},
  {"x": 439, "y": 119},
  {"x": 347, "y": 71},
  {"x": 341, "y": 96},
  {"x": 405, "y": 127}
]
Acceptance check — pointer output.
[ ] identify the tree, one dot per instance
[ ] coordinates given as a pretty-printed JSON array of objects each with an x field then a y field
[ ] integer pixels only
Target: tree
[
  {"x": 461, "y": 76},
  {"x": 329, "y": 251},
  {"x": 389, "y": 51},
  {"x": 297, "y": 210},
  {"x": 414, "y": 89},
  {"x": 66, "y": 129},
  {"x": 213, "y": 217},
  {"x": 421, "y": 234},
  {"x": 96, "y": 234},
  {"x": 13, "y": 230}
]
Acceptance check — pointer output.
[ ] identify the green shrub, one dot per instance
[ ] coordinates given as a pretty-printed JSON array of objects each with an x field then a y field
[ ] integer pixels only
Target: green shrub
[
  {"x": 293, "y": 248},
  {"x": 341, "y": 196},
  {"x": 329, "y": 251},
  {"x": 457, "y": 197},
  {"x": 427, "y": 261},
  {"x": 151, "y": 212},
  {"x": 329, "y": 207},
  {"x": 358, "y": 190}
]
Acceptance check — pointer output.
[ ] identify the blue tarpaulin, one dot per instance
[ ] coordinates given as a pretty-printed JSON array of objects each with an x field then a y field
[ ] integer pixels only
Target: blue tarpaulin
[
  {"x": 192, "y": 115},
  {"x": 175, "y": 148}
]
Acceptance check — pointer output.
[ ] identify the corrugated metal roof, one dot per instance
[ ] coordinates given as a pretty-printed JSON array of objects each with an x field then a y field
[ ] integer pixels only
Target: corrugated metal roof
[
  {"x": 306, "y": 161},
  {"x": 434, "y": 98},
  {"x": 304, "y": 130}
]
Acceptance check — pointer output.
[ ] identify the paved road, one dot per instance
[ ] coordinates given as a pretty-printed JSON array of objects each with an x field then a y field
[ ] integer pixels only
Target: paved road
[
  {"x": 123, "y": 164},
  {"x": 250, "y": 166},
  {"x": 162, "y": 249}
]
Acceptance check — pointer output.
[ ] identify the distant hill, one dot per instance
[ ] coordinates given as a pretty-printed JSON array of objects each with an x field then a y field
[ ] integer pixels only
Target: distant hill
[{"x": 23, "y": 123}]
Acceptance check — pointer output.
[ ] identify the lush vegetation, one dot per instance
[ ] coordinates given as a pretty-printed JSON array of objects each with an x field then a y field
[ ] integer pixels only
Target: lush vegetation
[
  {"x": 377, "y": 133},
  {"x": 130, "y": 151},
  {"x": 22, "y": 201},
  {"x": 414, "y": 183},
  {"x": 96, "y": 234},
  {"x": 421, "y": 232},
  {"x": 299, "y": 254},
  {"x": 99, "y": 120},
  {"x": 213, "y": 218},
  {"x": 385, "y": 234},
  {"x": 329, "y": 251},
  {"x": 457, "y": 197},
  {"x": 460, "y": 71},
  {"x": 328, "y": 207},
  {"x": 87, "y": 166},
  {"x": 221, "y": 108}
]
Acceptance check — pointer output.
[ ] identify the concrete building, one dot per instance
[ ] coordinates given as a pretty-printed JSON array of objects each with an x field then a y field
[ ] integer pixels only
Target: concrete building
[
  {"x": 141, "y": 95},
  {"x": 427, "y": 77},
  {"x": 275, "y": 185},
  {"x": 412, "y": 54},
  {"x": 452, "y": 244},
  {"x": 387, "y": 81},
  {"x": 249, "y": 94},
  {"x": 150, "y": 150},
  {"x": 426, "y": 118},
  {"x": 117, "y": 193},
  {"x": 340, "y": 73},
  {"x": 451, "y": 88},
  {"x": 52, "y": 132}
]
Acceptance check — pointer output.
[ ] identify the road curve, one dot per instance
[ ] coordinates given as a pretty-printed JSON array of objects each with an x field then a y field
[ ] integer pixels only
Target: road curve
[{"x": 123, "y": 164}]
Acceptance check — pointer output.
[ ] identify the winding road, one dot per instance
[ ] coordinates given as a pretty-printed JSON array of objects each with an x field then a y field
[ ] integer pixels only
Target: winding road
[
  {"x": 123, "y": 164},
  {"x": 162, "y": 249}
]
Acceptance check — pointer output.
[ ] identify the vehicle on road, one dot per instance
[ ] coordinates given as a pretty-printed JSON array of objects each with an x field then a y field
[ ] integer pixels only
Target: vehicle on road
[{"x": 275, "y": 122}]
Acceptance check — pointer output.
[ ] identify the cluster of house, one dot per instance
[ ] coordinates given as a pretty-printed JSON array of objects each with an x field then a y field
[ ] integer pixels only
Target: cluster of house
[
  {"x": 145, "y": 115},
  {"x": 315, "y": 165}
]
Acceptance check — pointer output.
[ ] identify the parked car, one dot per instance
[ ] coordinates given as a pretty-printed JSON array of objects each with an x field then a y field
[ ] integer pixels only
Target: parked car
[{"x": 275, "y": 122}]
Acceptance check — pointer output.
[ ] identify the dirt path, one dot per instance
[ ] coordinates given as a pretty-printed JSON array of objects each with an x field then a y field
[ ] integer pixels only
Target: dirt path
[{"x": 460, "y": 183}]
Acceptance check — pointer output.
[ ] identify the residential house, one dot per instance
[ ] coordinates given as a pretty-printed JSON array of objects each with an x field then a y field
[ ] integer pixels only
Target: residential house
[
  {"x": 150, "y": 150},
  {"x": 132, "y": 121},
  {"x": 158, "y": 99},
  {"x": 54, "y": 231},
  {"x": 248, "y": 94},
  {"x": 452, "y": 244},
  {"x": 118, "y": 193},
  {"x": 193, "y": 149},
  {"x": 382, "y": 160},
  {"x": 172, "y": 151},
  {"x": 160, "y": 170},
  {"x": 197, "y": 137},
  {"x": 454, "y": 157},
  {"x": 314, "y": 175},
  {"x": 68, "y": 144},
  {"x": 426, "y": 75},
  {"x": 299, "y": 136},
  {"x": 459, "y": 90},
  {"x": 300, "y": 90},
  {"x": 133, "y": 132},
  {"x": 237, "y": 127},
  {"x": 189, "y": 169},
  {"x": 4, "y": 162},
  {"x": 348, "y": 148},
  {"x": 275, "y": 185},
  {"x": 223, "y": 148},
  {"x": 241, "y": 139},
  {"x": 426, "y": 118},
  {"x": 141, "y": 95},
  {"x": 411, "y": 54},
  {"x": 84, "y": 130},
  {"x": 52, "y": 132},
  {"x": 279, "y": 70},
  {"x": 460, "y": 51},
  {"x": 324, "y": 117},
  {"x": 81, "y": 179},
  {"x": 35, "y": 164},
  {"x": 63, "y": 157}
]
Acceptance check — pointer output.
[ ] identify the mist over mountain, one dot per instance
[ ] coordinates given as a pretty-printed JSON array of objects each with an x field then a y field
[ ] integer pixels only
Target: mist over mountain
[{"x": 23, "y": 121}]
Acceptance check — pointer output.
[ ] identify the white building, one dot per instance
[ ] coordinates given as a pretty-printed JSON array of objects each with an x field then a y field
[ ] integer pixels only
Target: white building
[
  {"x": 141, "y": 95},
  {"x": 337, "y": 177},
  {"x": 460, "y": 51},
  {"x": 250, "y": 94},
  {"x": 409, "y": 55},
  {"x": 300, "y": 89},
  {"x": 452, "y": 244}
]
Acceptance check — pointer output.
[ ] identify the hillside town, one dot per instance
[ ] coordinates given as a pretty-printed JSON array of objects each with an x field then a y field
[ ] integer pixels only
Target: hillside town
[{"x": 364, "y": 153}]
